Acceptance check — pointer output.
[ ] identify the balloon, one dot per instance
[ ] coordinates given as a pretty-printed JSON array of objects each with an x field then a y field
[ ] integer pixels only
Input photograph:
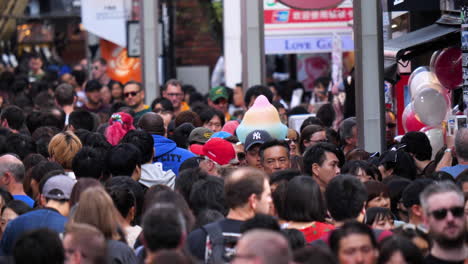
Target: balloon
[
  {"x": 448, "y": 67},
  {"x": 431, "y": 106},
  {"x": 410, "y": 120},
  {"x": 436, "y": 137},
  {"x": 424, "y": 79}
]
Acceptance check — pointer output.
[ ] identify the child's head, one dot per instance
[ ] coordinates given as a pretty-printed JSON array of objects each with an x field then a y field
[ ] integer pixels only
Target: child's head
[{"x": 380, "y": 218}]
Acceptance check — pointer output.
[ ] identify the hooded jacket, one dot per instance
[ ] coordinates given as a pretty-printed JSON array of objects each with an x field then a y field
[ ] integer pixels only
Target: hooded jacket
[
  {"x": 168, "y": 154},
  {"x": 152, "y": 174}
]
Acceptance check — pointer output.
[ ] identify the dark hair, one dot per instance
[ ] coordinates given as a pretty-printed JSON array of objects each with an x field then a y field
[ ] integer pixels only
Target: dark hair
[
  {"x": 316, "y": 154},
  {"x": 92, "y": 86},
  {"x": 80, "y": 186},
  {"x": 298, "y": 110},
  {"x": 311, "y": 120},
  {"x": 169, "y": 230},
  {"x": 123, "y": 199},
  {"x": 237, "y": 190},
  {"x": 140, "y": 86},
  {"x": 207, "y": 216},
  {"x": 417, "y": 143},
  {"x": 357, "y": 154},
  {"x": 352, "y": 167},
  {"x": 260, "y": 221},
  {"x": 42, "y": 168},
  {"x": 442, "y": 176},
  {"x": 17, "y": 206},
  {"x": 14, "y": 116},
  {"x": 346, "y": 129},
  {"x": 284, "y": 175},
  {"x": 81, "y": 119},
  {"x": 186, "y": 179},
  {"x": 88, "y": 162},
  {"x": 209, "y": 113},
  {"x": 123, "y": 159},
  {"x": 190, "y": 117},
  {"x": 181, "y": 135},
  {"x": 303, "y": 201},
  {"x": 345, "y": 196},
  {"x": 306, "y": 133},
  {"x": 208, "y": 193},
  {"x": 347, "y": 229},
  {"x": 165, "y": 103},
  {"x": 152, "y": 123},
  {"x": 96, "y": 140},
  {"x": 273, "y": 143},
  {"x": 390, "y": 245},
  {"x": 410, "y": 195},
  {"x": 376, "y": 189},
  {"x": 40, "y": 246},
  {"x": 314, "y": 254},
  {"x": 462, "y": 178},
  {"x": 5, "y": 195},
  {"x": 135, "y": 187},
  {"x": 295, "y": 238},
  {"x": 32, "y": 160},
  {"x": 378, "y": 213},
  {"x": 256, "y": 91},
  {"x": 324, "y": 81},
  {"x": 401, "y": 163},
  {"x": 64, "y": 94},
  {"x": 80, "y": 77},
  {"x": 143, "y": 141},
  {"x": 326, "y": 114},
  {"x": 20, "y": 144}
]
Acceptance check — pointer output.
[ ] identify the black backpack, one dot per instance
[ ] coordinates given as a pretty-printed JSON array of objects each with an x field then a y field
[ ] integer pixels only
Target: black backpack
[{"x": 218, "y": 243}]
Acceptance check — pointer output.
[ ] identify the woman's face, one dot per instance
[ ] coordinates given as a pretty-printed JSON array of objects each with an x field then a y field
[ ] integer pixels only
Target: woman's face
[
  {"x": 315, "y": 138},
  {"x": 383, "y": 224},
  {"x": 379, "y": 201},
  {"x": 362, "y": 175},
  {"x": 293, "y": 139},
  {"x": 214, "y": 124},
  {"x": 7, "y": 216},
  {"x": 117, "y": 91}
]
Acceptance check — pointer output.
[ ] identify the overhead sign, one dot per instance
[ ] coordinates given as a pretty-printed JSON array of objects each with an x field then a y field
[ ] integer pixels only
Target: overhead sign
[
  {"x": 304, "y": 44},
  {"x": 308, "y": 4},
  {"x": 411, "y": 5},
  {"x": 306, "y": 16},
  {"x": 106, "y": 19}
]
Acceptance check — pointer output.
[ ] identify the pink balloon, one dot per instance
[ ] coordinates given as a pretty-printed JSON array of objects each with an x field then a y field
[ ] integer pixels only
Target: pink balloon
[{"x": 411, "y": 121}]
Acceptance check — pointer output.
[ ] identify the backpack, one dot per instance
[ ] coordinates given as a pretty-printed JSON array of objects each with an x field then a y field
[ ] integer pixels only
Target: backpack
[{"x": 218, "y": 244}]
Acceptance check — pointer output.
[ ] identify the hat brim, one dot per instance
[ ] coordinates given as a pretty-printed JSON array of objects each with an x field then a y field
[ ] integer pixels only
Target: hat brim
[
  {"x": 197, "y": 149},
  {"x": 253, "y": 143}
]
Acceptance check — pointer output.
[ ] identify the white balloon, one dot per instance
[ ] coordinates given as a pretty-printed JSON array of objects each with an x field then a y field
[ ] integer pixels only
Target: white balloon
[
  {"x": 423, "y": 80},
  {"x": 431, "y": 106},
  {"x": 436, "y": 137}
]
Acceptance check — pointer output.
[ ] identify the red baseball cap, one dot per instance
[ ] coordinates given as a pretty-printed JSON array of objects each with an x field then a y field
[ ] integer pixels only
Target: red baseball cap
[{"x": 217, "y": 149}]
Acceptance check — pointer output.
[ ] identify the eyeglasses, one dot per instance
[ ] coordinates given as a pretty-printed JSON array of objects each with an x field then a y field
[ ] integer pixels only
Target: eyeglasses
[
  {"x": 391, "y": 125},
  {"x": 131, "y": 94},
  {"x": 457, "y": 211},
  {"x": 175, "y": 94},
  {"x": 220, "y": 101}
]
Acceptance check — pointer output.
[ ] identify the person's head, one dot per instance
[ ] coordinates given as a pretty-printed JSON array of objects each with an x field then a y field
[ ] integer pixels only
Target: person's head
[
  {"x": 63, "y": 148},
  {"x": 252, "y": 144},
  {"x": 170, "y": 231},
  {"x": 96, "y": 208},
  {"x": 64, "y": 94},
  {"x": 119, "y": 124},
  {"x": 187, "y": 116},
  {"x": 79, "y": 77},
  {"x": 410, "y": 198},
  {"x": 143, "y": 141},
  {"x": 348, "y": 132},
  {"x": 274, "y": 156},
  {"x": 311, "y": 135},
  {"x": 152, "y": 123},
  {"x": 390, "y": 125},
  {"x": 12, "y": 210},
  {"x": 35, "y": 63},
  {"x": 293, "y": 141},
  {"x": 443, "y": 205},
  {"x": 380, "y": 218},
  {"x": 303, "y": 201},
  {"x": 172, "y": 90},
  {"x": 93, "y": 92},
  {"x": 326, "y": 114},
  {"x": 207, "y": 194},
  {"x": 321, "y": 161},
  {"x": 124, "y": 160},
  {"x": 398, "y": 162},
  {"x": 20, "y": 144},
  {"x": 417, "y": 145},
  {"x": 253, "y": 92},
  {"x": 248, "y": 189},
  {"x": 218, "y": 98},
  {"x": 39, "y": 246},
  {"x": 238, "y": 96},
  {"x": 56, "y": 191},
  {"x": 212, "y": 119},
  {"x": 124, "y": 201},
  {"x": 377, "y": 194},
  {"x": 462, "y": 181},
  {"x": 358, "y": 168},
  {"x": 80, "y": 186},
  {"x": 134, "y": 95},
  {"x": 116, "y": 89},
  {"x": 12, "y": 171},
  {"x": 84, "y": 243},
  {"x": 461, "y": 144},
  {"x": 262, "y": 246},
  {"x": 399, "y": 249},
  {"x": 311, "y": 120},
  {"x": 354, "y": 242},
  {"x": 81, "y": 119},
  {"x": 12, "y": 117},
  {"x": 260, "y": 221},
  {"x": 345, "y": 197},
  {"x": 88, "y": 162},
  {"x": 186, "y": 180},
  {"x": 161, "y": 105},
  {"x": 321, "y": 88},
  {"x": 99, "y": 68}
]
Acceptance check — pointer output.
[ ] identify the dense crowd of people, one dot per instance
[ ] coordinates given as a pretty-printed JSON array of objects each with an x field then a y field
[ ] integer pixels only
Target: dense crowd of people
[{"x": 91, "y": 174}]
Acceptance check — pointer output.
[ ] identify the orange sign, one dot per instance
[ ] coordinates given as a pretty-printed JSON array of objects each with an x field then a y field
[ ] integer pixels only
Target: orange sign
[{"x": 120, "y": 67}]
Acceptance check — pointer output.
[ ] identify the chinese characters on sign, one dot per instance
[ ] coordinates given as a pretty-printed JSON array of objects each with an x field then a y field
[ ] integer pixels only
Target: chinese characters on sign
[{"x": 306, "y": 16}]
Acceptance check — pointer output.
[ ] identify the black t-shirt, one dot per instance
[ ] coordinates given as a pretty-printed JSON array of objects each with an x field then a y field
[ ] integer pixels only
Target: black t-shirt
[
  {"x": 433, "y": 260},
  {"x": 197, "y": 240}
]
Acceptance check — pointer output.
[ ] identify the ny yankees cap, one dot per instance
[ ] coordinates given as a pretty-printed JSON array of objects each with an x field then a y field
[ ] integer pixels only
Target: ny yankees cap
[{"x": 256, "y": 137}]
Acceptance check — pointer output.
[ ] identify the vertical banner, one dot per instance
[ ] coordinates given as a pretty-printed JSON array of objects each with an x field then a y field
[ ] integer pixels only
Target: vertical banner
[
  {"x": 464, "y": 48},
  {"x": 119, "y": 66},
  {"x": 337, "y": 59}
]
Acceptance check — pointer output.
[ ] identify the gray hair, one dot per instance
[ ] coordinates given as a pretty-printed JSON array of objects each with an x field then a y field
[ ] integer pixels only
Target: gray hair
[
  {"x": 15, "y": 168},
  {"x": 438, "y": 188},
  {"x": 461, "y": 143}
]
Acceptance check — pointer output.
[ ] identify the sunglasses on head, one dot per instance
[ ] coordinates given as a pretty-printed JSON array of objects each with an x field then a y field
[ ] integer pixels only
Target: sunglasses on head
[
  {"x": 457, "y": 211},
  {"x": 131, "y": 93}
]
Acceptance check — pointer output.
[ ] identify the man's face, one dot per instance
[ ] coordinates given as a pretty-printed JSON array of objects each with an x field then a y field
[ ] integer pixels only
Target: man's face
[
  {"x": 98, "y": 70},
  {"x": 238, "y": 97},
  {"x": 221, "y": 104},
  {"x": 264, "y": 201},
  {"x": 253, "y": 157},
  {"x": 357, "y": 249},
  {"x": 329, "y": 169},
  {"x": 390, "y": 124},
  {"x": 94, "y": 97},
  {"x": 35, "y": 64},
  {"x": 353, "y": 140},
  {"x": 446, "y": 228},
  {"x": 174, "y": 94},
  {"x": 133, "y": 95},
  {"x": 275, "y": 159},
  {"x": 320, "y": 93}
]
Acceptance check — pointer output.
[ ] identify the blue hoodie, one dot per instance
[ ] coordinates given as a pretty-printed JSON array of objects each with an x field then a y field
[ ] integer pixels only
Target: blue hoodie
[{"x": 168, "y": 154}]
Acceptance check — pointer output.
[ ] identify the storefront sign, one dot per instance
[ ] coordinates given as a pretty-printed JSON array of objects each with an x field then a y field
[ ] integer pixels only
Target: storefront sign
[
  {"x": 411, "y": 5},
  {"x": 119, "y": 66},
  {"x": 299, "y": 44},
  {"x": 308, "y": 4},
  {"x": 305, "y": 16}
]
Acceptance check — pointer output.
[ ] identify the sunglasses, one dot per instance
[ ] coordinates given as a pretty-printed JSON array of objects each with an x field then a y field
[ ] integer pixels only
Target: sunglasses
[
  {"x": 220, "y": 101},
  {"x": 457, "y": 211},
  {"x": 391, "y": 125},
  {"x": 131, "y": 94}
]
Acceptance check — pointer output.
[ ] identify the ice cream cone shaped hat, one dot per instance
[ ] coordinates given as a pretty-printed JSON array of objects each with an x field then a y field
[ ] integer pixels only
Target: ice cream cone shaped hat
[{"x": 262, "y": 116}]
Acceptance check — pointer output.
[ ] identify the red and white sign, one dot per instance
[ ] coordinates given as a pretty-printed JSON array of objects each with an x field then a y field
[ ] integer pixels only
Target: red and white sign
[
  {"x": 311, "y": 4},
  {"x": 306, "y": 16}
]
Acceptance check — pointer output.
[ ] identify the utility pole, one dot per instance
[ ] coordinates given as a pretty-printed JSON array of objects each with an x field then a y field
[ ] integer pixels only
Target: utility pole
[{"x": 150, "y": 48}]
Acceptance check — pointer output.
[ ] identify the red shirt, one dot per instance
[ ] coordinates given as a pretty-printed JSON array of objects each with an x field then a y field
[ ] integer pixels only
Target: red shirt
[{"x": 316, "y": 230}]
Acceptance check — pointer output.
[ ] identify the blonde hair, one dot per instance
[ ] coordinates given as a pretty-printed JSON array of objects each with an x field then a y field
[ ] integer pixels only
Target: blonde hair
[
  {"x": 63, "y": 148},
  {"x": 96, "y": 208}
]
